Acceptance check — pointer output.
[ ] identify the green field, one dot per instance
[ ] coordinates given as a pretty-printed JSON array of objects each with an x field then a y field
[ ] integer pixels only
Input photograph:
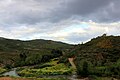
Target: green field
[{"x": 49, "y": 68}]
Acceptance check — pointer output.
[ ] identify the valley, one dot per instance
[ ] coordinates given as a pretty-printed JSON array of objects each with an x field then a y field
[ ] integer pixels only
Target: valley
[{"x": 96, "y": 59}]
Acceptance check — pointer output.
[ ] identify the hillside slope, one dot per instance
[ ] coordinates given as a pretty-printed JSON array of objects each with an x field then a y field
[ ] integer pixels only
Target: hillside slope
[
  {"x": 103, "y": 47},
  {"x": 8, "y": 45},
  {"x": 10, "y": 49},
  {"x": 99, "y": 56}
]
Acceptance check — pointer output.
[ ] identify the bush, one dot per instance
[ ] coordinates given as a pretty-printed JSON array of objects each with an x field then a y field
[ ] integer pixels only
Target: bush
[
  {"x": 92, "y": 77},
  {"x": 84, "y": 67},
  {"x": 8, "y": 66}
]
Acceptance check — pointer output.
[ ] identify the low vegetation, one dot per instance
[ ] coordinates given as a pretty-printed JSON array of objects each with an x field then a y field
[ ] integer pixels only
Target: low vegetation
[
  {"x": 100, "y": 56},
  {"x": 2, "y": 70},
  {"x": 21, "y": 53},
  {"x": 98, "y": 59},
  {"x": 49, "y": 68}
]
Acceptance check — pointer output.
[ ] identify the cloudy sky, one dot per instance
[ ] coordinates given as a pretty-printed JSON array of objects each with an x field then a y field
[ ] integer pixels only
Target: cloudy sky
[{"x": 70, "y": 21}]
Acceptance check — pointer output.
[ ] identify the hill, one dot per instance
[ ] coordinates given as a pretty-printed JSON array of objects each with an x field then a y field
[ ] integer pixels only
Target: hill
[
  {"x": 28, "y": 52},
  {"x": 100, "y": 56}
]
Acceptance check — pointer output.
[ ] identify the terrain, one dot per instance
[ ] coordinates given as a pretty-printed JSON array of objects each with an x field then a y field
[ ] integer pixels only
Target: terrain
[
  {"x": 97, "y": 59},
  {"x": 100, "y": 56},
  {"x": 19, "y": 53}
]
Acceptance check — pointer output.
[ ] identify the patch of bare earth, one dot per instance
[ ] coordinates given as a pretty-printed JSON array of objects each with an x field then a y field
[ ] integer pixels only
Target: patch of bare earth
[{"x": 8, "y": 78}]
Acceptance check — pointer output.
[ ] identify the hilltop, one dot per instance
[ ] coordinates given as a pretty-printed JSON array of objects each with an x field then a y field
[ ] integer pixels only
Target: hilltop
[
  {"x": 8, "y": 45},
  {"x": 101, "y": 48}
]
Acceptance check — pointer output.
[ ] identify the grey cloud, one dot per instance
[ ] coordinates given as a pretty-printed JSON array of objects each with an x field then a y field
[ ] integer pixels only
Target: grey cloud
[
  {"x": 82, "y": 8},
  {"x": 50, "y": 16},
  {"x": 26, "y": 11},
  {"x": 35, "y": 11},
  {"x": 108, "y": 14}
]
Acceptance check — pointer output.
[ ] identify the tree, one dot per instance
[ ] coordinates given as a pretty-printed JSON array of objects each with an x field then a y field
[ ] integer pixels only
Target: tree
[
  {"x": 85, "y": 70},
  {"x": 56, "y": 53},
  {"x": 23, "y": 56}
]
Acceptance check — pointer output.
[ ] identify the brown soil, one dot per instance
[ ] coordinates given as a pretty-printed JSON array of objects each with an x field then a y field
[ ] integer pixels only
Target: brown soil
[{"x": 8, "y": 78}]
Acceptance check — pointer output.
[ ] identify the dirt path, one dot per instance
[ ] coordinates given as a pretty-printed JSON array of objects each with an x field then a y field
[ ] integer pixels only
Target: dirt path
[{"x": 71, "y": 60}]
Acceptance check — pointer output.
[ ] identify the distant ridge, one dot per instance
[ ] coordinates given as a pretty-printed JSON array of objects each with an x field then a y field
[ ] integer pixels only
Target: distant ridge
[{"x": 11, "y": 48}]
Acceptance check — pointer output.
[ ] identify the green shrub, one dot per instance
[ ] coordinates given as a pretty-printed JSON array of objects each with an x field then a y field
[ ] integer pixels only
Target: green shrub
[{"x": 2, "y": 70}]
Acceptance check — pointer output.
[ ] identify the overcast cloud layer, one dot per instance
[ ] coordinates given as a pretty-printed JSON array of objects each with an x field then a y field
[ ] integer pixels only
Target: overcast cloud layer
[{"x": 71, "y": 21}]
